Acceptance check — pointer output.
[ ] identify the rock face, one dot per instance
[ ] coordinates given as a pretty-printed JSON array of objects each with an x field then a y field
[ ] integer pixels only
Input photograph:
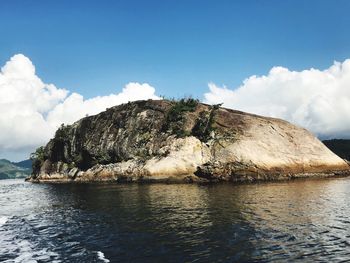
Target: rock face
[{"x": 182, "y": 141}]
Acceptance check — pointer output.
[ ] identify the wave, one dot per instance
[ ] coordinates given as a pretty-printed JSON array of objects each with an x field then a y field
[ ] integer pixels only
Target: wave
[
  {"x": 3, "y": 220},
  {"x": 101, "y": 256}
]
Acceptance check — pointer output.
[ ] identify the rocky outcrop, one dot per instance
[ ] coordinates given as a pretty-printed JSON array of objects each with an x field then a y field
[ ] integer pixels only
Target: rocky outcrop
[{"x": 182, "y": 141}]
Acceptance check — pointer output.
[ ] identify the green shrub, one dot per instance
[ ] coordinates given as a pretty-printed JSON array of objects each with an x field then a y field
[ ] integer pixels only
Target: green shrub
[
  {"x": 38, "y": 157},
  {"x": 62, "y": 133},
  {"x": 60, "y": 145},
  {"x": 175, "y": 117},
  {"x": 106, "y": 157},
  {"x": 83, "y": 160},
  {"x": 204, "y": 125}
]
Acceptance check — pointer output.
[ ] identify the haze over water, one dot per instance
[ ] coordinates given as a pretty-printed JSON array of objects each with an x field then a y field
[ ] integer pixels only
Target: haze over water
[{"x": 284, "y": 222}]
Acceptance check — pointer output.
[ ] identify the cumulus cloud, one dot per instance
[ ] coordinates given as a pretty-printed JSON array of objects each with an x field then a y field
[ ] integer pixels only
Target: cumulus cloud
[
  {"x": 318, "y": 100},
  {"x": 75, "y": 107},
  {"x": 31, "y": 110}
]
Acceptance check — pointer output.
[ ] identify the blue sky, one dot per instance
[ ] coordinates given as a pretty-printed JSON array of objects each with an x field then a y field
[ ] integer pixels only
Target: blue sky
[{"x": 96, "y": 47}]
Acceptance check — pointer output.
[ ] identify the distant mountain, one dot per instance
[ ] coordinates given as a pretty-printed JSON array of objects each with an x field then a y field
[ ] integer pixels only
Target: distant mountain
[
  {"x": 24, "y": 164},
  {"x": 10, "y": 170},
  {"x": 340, "y": 147}
]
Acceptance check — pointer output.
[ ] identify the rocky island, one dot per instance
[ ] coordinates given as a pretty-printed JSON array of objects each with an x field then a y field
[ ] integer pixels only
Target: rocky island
[{"x": 182, "y": 141}]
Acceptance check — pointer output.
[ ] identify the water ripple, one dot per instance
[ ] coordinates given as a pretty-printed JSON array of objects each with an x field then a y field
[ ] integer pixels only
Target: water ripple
[{"x": 280, "y": 222}]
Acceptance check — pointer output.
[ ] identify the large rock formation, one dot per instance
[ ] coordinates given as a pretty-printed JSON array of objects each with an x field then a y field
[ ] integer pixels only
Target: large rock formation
[{"x": 182, "y": 141}]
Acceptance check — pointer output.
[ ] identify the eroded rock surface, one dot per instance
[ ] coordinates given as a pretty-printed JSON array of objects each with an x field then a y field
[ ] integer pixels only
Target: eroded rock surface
[{"x": 182, "y": 141}]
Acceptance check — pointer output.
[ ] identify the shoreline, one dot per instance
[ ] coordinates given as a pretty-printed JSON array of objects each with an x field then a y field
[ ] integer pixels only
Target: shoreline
[{"x": 192, "y": 179}]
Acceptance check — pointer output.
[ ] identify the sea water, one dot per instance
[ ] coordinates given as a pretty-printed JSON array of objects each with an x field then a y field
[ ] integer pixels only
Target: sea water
[{"x": 302, "y": 220}]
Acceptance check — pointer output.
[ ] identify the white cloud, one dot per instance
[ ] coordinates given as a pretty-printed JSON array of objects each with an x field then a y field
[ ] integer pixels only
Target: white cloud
[
  {"x": 318, "y": 100},
  {"x": 75, "y": 107},
  {"x": 31, "y": 110}
]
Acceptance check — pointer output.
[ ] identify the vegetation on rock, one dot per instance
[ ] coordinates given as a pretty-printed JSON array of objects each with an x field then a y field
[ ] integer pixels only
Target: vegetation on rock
[
  {"x": 185, "y": 139},
  {"x": 175, "y": 118},
  {"x": 205, "y": 124},
  {"x": 38, "y": 157}
]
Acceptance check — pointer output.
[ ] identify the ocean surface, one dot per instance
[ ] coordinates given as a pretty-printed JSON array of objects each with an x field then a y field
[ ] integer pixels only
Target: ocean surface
[{"x": 297, "y": 221}]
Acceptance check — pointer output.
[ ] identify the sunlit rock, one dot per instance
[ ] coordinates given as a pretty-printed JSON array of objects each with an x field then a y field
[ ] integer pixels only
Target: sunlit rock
[{"x": 182, "y": 141}]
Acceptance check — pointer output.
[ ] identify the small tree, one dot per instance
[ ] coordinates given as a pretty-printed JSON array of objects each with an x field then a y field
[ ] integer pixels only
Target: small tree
[
  {"x": 175, "y": 117},
  {"x": 37, "y": 158}
]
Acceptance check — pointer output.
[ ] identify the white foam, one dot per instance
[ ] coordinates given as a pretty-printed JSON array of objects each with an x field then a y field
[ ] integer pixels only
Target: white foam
[
  {"x": 3, "y": 220},
  {"x": 27, "y": 254},
  {"x": 101, "y": 256}
]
